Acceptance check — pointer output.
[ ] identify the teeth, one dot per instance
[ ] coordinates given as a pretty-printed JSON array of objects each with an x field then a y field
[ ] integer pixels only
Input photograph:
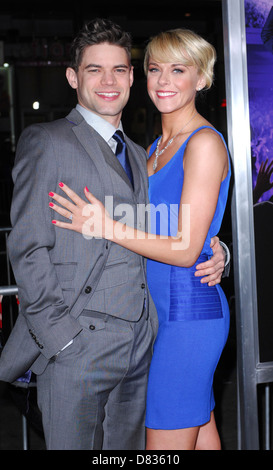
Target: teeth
[
  {"x": 166, "y": 93},
  {"x": 108, "y": 94}
]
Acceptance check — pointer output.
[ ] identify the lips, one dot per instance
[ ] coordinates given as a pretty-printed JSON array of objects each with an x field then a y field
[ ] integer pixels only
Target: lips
[
  {"x": 108, "y": 95},
  {"x": 165, "y": 94}
]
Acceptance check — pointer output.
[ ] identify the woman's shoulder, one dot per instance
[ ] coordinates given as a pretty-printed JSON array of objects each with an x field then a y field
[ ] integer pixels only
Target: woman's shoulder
[
  {"x": 206, "y": 145},
  {"x": 206, "y": 135}
]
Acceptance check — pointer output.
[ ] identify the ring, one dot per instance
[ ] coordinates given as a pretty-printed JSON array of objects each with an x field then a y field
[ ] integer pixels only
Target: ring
[{"x": 71, "y": 217}]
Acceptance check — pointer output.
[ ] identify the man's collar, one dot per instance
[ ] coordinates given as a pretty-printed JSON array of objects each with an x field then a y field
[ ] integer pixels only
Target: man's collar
[{"x": 103, "y": 127}]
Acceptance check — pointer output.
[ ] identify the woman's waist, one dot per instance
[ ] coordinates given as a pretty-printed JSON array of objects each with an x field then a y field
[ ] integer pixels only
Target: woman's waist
[{"x": 190, "y": 299}]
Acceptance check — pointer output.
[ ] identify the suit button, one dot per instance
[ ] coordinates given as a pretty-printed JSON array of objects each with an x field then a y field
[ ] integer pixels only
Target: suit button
[
  {"x": 92, "y": 327},
  {"x": 88, "y": 289},
  {"x": 143, "y": 286}
]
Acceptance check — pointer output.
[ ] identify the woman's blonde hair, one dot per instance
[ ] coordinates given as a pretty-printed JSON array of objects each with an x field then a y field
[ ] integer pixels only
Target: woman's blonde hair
[{"x": 182, "y": 46}]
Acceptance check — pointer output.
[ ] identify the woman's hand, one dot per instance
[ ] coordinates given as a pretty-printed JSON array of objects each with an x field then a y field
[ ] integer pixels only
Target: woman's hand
[{"x": 90, "y": 219}]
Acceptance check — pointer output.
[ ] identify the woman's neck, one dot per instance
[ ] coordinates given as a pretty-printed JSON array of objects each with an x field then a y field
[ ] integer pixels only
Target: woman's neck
[{"x": 172, "y": 123}]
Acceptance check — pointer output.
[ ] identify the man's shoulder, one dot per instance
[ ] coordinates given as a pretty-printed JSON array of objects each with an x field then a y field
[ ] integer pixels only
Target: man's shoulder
[{"x": 53, "y": 129}]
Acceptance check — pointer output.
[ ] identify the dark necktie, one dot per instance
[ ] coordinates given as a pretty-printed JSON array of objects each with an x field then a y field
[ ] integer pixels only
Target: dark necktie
[{"x": 122, "y": 155}]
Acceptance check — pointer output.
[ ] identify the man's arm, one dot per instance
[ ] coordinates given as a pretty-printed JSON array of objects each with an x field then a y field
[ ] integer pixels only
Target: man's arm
[
  {"x": 30, "y": 242},
  {"x": 217, "y": 267}
]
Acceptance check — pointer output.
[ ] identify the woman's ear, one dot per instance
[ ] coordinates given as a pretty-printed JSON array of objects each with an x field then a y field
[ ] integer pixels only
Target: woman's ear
[{"x": 201, "y": 83}]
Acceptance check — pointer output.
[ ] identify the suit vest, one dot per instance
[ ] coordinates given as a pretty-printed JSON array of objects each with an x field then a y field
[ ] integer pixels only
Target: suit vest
[{"x": 121, "y": 290}]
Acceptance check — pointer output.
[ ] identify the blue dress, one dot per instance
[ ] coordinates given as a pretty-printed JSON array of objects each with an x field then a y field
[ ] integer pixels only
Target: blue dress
[{"x": 193, "y": 317}]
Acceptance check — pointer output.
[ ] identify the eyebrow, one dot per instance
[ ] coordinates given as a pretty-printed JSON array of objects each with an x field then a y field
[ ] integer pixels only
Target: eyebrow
[
  {"x": 97, "y": 66},
  {"x": 173, "y": 65}
]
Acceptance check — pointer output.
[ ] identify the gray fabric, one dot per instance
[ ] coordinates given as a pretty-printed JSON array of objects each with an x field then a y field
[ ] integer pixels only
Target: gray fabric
[
  {"x": 99, "y": 387},
  {"x": 59, "y": 273}
]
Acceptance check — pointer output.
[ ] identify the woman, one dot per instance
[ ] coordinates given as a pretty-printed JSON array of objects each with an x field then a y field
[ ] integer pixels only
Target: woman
[{"x": 188, "y": 167}]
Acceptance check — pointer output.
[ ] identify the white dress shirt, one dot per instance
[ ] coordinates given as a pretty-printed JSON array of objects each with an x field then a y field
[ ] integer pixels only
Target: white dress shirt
[{"x": 103, "y": 127}]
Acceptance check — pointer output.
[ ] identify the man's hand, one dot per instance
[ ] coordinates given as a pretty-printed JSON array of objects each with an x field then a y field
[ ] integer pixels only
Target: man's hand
[{"x": 211, "y": 271}]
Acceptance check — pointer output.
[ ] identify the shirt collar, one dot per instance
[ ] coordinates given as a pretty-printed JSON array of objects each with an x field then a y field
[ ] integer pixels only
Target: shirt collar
[{"x": 103, "y": 127}]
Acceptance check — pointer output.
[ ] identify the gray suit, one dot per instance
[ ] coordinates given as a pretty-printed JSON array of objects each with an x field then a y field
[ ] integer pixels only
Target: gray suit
[{"x": 91, "y": 291}]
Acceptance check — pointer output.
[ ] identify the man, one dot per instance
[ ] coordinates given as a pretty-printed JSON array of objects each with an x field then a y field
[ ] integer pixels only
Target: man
[{"x": 87, "y": 322}]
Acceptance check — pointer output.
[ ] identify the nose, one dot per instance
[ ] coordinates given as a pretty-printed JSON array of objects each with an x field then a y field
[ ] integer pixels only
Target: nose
[
  {"x": 108, "y": 78},
  {"x": 164, "y": 78}
]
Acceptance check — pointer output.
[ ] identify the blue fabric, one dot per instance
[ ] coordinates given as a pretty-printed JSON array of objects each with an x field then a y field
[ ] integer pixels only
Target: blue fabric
[
  {"x": 193, "y": 317},
  {"x": 25, "y": 378},
  {"x": 122, "y": 155},
  {"x": 191, "y": 300}
]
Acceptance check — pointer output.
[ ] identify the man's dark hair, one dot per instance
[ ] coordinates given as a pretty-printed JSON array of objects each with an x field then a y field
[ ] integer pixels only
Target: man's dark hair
[{"x": 95, "y": 32}]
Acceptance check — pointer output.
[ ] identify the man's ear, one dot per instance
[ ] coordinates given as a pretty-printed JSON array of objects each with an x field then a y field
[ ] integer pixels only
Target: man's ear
[
  {"x": 72, "y": 78},
  {"x": 131, "y": 75}
]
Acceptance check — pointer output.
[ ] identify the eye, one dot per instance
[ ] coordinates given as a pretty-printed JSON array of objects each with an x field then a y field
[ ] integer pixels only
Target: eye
[
  {"x": 121, "y": 70},
  {"x": 176, "y": 70},
  {"x": 152, "y": 69},
  {"x": 93, "y": 70}
]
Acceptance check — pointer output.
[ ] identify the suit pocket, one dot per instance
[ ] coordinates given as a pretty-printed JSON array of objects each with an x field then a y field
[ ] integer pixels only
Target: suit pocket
[
  {"x": 113, "y": 275},
  {"x": 65, "y": 271},
  {"x": 117, "y": 252},
  {"x": 92, "y": 323}
]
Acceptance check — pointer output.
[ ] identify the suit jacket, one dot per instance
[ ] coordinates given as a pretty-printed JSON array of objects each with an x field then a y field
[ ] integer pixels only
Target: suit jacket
[{"x": 58, "y": 272}]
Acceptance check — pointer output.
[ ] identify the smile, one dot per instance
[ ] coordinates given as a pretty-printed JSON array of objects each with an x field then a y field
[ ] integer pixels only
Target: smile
[
  {"x": 165, "y": 94},
  {"x": 108, "y": 95}
]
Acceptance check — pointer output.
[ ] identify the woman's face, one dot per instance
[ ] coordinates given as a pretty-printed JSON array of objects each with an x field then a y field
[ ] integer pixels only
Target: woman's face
[{"x": 172, "y": 86}]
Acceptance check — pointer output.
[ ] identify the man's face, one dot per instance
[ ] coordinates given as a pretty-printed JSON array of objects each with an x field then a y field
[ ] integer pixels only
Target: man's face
[{"x": 103, "y": 81}]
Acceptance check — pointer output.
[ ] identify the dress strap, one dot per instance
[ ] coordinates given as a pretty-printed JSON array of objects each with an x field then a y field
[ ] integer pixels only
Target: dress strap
[
  {"x": 199, "y": 129},
  {"x": 217, "y": 132},
  {"x": 153, "y": 145}
]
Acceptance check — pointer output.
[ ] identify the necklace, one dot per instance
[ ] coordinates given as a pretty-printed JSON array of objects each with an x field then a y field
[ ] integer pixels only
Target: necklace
[{"x": 157, "y": 153}]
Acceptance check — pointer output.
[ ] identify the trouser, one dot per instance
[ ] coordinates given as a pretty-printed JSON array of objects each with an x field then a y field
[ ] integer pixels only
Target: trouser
[{"x": 93, "y": 394}]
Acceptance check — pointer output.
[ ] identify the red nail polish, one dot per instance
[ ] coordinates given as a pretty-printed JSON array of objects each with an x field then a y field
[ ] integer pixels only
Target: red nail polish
[
  {"x": 53, "y": 221},
  {"x": 51, "y": 194},
  {"x": 86, "y": 189},
  {"x": 61, "y": 185},
  {"x": 51, "y": 204}
]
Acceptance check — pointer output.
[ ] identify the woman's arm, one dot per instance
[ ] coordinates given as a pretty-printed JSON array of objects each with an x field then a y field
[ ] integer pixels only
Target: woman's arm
[{"x": 203, "y": 173}]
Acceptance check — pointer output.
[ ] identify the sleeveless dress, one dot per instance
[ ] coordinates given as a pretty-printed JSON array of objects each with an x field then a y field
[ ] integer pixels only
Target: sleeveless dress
[{"x": 193, "y": 317}]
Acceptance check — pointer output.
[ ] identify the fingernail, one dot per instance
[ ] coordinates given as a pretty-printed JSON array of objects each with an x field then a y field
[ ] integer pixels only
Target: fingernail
[
  {"x": 51, "y": 204},
  {"x": 51, "y": 194},
  {"x": 86, "y": 189},
  {"x": 61, "y": 185},
  {"x": 53, "y": 221}
]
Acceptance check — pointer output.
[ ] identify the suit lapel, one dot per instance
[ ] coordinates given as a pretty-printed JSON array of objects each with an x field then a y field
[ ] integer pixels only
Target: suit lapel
[
  {"x": 112, "y": 160},
  {"x": 102, "y": 156},
  {"x": 96, "y": 147},
  {"x": 138, "y": 168}
]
